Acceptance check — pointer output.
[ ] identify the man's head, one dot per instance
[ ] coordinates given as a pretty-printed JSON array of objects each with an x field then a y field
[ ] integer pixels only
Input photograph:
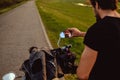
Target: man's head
[
  {"x": 103, "y": 5},
  {"x": 33, "y": 49}
]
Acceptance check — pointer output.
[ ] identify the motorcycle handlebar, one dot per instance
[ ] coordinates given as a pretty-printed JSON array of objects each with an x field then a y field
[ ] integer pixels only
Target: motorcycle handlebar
[
  {"x": 61, "y": 49},
  {"x": 64, "y": 47}
]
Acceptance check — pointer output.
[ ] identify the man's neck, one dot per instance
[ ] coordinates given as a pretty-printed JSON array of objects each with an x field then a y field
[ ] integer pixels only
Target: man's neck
[{"x": 111, "y": 13}]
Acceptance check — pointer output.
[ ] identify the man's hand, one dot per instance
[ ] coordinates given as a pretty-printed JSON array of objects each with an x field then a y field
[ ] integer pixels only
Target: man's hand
[{"x": 74, "y": 32}]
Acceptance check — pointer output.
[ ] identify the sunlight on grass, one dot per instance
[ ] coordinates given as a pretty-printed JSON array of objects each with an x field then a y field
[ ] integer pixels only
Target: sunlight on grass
[{"x": 83, "y": 5}]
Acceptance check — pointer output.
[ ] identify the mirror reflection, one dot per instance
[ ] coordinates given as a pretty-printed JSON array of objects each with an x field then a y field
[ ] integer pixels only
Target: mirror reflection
[{"x": 62, "y": 35}]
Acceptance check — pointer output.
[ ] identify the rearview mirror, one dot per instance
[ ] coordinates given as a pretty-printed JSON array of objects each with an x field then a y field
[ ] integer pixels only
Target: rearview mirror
[
  {"x": 9, "y": 76},
  {"x": 62, "y": 35}
]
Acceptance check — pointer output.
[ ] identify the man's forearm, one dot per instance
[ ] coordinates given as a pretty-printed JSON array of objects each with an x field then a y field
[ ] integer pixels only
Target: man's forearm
[{"x": 82, "y": 34}]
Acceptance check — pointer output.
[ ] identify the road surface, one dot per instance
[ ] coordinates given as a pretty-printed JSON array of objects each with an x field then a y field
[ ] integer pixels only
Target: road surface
[{"x": 20, "y": 29}]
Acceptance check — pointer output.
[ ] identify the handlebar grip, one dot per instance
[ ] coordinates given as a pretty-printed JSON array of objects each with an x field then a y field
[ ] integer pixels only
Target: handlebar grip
[
  {"x": 58, "y": 50},
  {"x": 67, "y": 46}
]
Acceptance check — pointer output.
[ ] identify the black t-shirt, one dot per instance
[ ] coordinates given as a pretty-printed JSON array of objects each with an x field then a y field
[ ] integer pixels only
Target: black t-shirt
[{"x": 104, "y": 37}]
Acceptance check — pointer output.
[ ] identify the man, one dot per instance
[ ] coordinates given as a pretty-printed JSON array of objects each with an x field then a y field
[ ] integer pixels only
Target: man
[{"x": 100, "y": 58}]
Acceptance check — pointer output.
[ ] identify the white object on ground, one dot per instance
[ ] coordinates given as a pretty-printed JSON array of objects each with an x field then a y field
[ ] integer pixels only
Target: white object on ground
[{"x": 9, "y": 76}]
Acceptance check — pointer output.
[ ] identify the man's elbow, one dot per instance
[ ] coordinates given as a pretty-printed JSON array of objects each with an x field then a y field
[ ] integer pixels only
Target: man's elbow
[{"x": 82, "y": 76}]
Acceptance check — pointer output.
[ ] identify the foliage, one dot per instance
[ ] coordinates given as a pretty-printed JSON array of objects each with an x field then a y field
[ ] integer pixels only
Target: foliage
[
  {"x": 6, "y": 6},
  {"x": 5, "y": 3}
]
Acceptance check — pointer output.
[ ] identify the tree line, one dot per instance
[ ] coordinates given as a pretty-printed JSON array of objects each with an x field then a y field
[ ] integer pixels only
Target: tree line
[{"x": 5, "y": 3}]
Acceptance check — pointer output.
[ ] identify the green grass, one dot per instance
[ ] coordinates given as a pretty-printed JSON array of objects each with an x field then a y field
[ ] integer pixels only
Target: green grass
[
  {"x": 62, "y": 14},
  {"x": 8, "y": 8},
  {"x": 57, "y": 15}
]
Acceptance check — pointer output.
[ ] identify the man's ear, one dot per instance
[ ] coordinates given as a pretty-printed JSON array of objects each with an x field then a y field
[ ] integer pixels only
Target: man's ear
[{"x": 97, "y": 6}]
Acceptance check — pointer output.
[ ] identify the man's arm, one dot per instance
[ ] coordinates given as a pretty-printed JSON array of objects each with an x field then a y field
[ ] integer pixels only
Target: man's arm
[
  {"x": 82, "y": 34},
  {"x": 87, "y": 61},
  {"x": 74, "y": 32}
]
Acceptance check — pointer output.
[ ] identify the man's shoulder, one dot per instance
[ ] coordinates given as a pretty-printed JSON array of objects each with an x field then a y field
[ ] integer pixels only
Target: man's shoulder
[
  {"x": 100, "y": 24},
  {"x": 95, "y": 26}
]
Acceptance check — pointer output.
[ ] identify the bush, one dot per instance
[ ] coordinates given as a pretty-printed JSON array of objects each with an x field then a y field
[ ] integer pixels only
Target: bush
[
  {"x": 17, "y": 1},
  {"x": 6, "y": 3}
]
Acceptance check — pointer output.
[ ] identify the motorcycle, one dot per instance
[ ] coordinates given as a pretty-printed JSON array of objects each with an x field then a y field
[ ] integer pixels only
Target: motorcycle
[{"x": 67, "y": 66}]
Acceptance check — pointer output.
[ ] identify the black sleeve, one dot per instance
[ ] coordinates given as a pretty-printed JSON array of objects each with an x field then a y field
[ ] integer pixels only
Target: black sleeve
[
  {"x": 92, "y": 38},
  {"x": 103, "y": 36}
]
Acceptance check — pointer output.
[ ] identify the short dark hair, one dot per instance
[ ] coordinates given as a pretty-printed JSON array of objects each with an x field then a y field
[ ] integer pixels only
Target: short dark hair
[
  {"x": 105, "y": 4},
  {"x": 31, "y": 48}
]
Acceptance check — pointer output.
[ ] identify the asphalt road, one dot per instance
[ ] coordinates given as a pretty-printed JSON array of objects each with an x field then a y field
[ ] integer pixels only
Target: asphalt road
[{"x": 20, "y": 29}]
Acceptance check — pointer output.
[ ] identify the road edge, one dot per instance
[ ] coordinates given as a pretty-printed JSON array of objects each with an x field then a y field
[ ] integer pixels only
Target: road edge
[{"x": 43, "y": 27}]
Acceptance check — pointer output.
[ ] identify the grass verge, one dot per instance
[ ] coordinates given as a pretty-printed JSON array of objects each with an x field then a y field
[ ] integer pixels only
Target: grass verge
[{"x": 57, "y": 15}]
